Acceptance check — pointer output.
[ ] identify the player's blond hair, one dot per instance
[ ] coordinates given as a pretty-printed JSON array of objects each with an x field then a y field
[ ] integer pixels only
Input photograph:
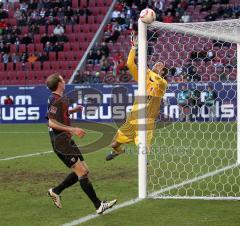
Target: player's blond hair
[{"x": 52, "y": 81}]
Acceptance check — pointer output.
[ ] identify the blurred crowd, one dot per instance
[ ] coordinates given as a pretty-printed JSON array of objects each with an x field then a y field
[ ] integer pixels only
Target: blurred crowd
[
  {"x": 123, "y": 21},
  {"x": 35, "y": 15},
  {"x": 105, "y": 63}
]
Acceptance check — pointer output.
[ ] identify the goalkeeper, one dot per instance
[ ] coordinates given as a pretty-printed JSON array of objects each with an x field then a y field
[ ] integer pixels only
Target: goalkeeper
[{"x": 156, "y": 88}]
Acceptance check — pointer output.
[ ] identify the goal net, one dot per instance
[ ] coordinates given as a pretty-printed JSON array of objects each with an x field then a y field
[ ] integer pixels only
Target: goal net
[{"x": 195, "y": 153}]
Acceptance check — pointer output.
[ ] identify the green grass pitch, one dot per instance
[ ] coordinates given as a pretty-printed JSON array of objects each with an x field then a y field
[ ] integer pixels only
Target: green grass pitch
[{"x": 25, "y": 181}]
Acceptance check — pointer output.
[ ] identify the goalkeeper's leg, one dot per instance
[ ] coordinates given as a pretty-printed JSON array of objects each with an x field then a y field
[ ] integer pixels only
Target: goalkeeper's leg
[
  {"x": 118, "y": 140},
  {"x": 149, "y": 140},
  {"x": 124, "y": 135},
  {"x": 117, "y": 150}
]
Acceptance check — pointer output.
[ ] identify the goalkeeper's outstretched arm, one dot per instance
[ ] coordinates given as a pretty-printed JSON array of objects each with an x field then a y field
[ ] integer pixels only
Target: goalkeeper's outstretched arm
[
  {"x": 132, "y": 65},
  {"x": 131, "y": 58}
]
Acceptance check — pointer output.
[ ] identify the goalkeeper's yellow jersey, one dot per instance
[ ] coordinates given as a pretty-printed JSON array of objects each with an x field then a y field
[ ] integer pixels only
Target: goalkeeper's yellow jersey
[{"x": 156, "y": 88}]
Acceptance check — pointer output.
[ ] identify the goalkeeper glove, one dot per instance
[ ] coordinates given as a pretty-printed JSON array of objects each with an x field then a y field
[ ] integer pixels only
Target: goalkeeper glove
[{"x": 133, "y": 40}]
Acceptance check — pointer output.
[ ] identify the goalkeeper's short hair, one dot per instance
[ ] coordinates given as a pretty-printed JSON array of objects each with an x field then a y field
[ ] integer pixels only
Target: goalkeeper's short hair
[
  {"x": 165, "y": 72},
  {"x": 164, "y": 69}
]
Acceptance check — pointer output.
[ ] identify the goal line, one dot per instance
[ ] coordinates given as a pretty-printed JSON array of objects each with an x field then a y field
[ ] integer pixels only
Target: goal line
[{"x": 156, "y": 195}]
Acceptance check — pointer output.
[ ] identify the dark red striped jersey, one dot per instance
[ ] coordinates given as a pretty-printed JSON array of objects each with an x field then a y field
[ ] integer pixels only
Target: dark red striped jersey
[{"x": 58, "y": 109}]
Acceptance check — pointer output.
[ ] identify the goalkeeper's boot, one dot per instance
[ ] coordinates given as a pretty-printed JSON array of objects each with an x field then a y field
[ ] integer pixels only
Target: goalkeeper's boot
[
  {"x": 106, "y": 205},
  {"x": 112, "y": 155},
  {"x": 55, "y": 197}
]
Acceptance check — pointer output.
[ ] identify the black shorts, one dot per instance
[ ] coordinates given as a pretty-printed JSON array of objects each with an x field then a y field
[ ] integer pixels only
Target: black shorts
[{"x": 65, "y": 148}]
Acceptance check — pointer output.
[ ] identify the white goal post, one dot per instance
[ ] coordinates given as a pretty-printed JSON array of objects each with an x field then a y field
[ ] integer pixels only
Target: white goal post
[
  {"x": 207, "y": 166},
  {"x": 142, "y": 154}
]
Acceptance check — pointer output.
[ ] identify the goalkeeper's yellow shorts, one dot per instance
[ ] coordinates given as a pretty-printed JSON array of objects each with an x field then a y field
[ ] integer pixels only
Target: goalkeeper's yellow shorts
[{"x": 128, "y": 133}]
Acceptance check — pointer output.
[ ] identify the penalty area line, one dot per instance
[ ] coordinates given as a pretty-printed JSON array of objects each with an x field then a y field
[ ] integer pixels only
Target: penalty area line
[
  {"x": 151, "y": 195},
  {"x": 25, "y": 156},
  {"x": 36, "y": 154},
  {"x": 22, "y": 132}
]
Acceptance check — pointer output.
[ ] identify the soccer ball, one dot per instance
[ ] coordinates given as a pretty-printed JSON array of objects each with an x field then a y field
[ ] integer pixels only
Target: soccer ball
[{"x": 147, "y": 16}]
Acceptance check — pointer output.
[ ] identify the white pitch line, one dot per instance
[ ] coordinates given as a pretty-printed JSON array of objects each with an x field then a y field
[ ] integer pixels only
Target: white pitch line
[
  {"x": 25, "y": 156},
  {"x": 220, "y": 198},
  {"x": 35, "y": 132},
  {"x": 134, "y": 201},
  {"x": 92, "y": 216},
  {"x": 23, "y": 132},
  {"x": 34, "y": 154}
]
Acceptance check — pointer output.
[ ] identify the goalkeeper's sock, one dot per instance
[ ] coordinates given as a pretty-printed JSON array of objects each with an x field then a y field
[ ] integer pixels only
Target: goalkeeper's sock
[
  {"x": 118, "y": 150},
  {"x": 87, "y": 187},
  {"x": 70, "y": 180}
]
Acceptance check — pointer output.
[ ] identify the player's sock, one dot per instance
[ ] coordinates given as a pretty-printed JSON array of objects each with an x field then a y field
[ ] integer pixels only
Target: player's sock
[
  {"x": 70, "y": 180},
  {"x": 87, "y": 187}
]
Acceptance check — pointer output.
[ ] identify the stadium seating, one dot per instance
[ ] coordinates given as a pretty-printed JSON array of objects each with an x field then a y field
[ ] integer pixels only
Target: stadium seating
[
  {"x": 167, "y": 44},
  {"x": 79, "y": 36}
]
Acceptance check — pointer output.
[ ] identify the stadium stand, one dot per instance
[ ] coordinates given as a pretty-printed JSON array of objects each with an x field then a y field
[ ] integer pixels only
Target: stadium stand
[
  {"x": 30, "y": 50},
  {"x": 180, "y": 11},
  {"x": 54, "y": 49}
]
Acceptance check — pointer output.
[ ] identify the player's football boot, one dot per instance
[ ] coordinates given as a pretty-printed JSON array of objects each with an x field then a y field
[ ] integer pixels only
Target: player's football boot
[
  {"x": 56, "y": 198},
  {"x": 106, "y": 205},
  {"x": 111, "y": 156}
]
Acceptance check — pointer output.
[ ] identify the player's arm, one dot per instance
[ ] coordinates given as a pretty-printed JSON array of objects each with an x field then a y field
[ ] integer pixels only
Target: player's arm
[
  {"x": 178, "y": 97},
  {"x": 78, "y": 108},
  {"x": 207, "y": 96},
  {"x": 131, "y": 58},
  {"x": 54, "y": 112},
  {"x": 214, "y": 95},
  {"x": 54, "y": 124}
]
